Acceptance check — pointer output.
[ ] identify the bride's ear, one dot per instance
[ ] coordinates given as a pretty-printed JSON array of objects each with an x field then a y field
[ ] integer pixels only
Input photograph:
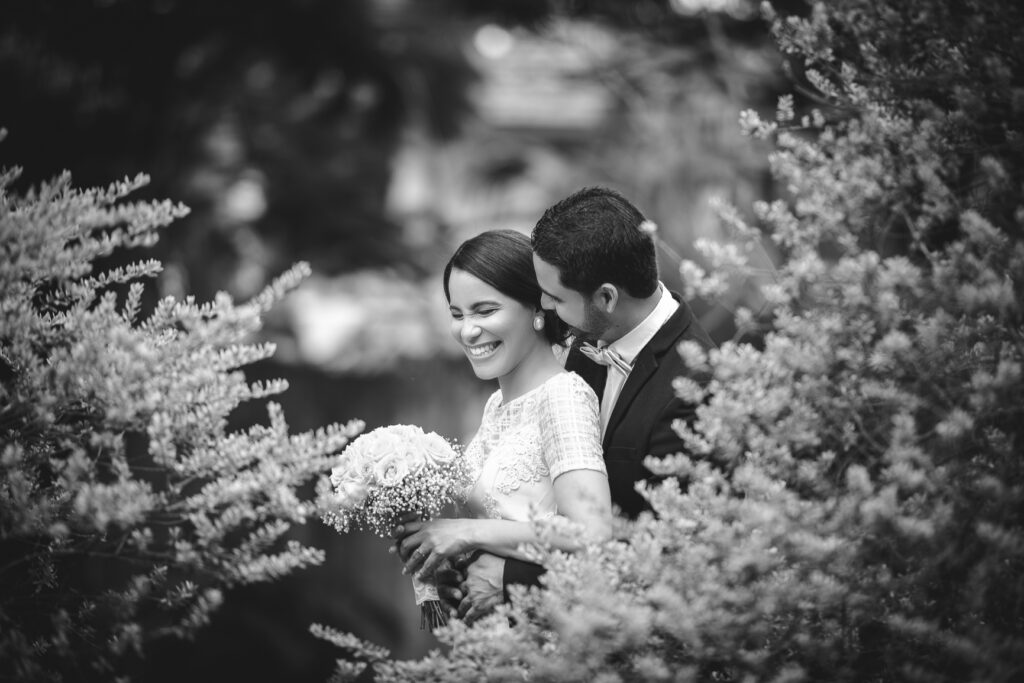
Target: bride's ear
[{"x": 605, "y": 297}]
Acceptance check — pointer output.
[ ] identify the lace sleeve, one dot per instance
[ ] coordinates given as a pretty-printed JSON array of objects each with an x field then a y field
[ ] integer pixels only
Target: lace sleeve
[{"x": 570, "y": 426}]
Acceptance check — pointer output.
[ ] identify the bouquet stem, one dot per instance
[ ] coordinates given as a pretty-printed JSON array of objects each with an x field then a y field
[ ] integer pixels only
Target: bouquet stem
[
  {"x": 433, "y": 615},
  {"x": 432, "y": 611}
]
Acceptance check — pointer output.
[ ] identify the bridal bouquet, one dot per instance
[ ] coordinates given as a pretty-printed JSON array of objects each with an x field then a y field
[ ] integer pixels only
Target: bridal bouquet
[{"x": 392, "y": 471}]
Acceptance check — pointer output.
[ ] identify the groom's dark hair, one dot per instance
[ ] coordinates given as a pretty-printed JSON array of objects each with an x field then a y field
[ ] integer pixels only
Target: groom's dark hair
[{"x": 593, "y": 236}]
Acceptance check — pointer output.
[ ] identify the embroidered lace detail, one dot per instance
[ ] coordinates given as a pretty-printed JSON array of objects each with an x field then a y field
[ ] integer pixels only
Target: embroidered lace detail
[
  {"x": 514, "y": 473},
  {"x": 490, "y": 505},
  {"x": 524, "y": 444},
  {"x": 507, "y": 431}
]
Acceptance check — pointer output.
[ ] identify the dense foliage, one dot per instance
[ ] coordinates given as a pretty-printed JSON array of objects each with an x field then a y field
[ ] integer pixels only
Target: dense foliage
[
  {"x": 853, "y": 502},
  {"x": 127, "y": 505}
]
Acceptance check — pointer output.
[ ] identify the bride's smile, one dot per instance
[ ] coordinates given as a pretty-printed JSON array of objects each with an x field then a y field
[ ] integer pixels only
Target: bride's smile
[
  {"x": 482, "y": 350},
  {"x": 496, "y": 332}
]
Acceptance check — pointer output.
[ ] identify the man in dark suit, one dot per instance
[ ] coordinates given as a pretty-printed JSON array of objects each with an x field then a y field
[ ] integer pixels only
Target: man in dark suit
[{"x": 595, "y": 261}]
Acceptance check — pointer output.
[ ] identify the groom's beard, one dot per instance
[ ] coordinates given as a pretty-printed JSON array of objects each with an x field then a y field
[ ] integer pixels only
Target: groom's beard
[{"x": 595, "y": 323}]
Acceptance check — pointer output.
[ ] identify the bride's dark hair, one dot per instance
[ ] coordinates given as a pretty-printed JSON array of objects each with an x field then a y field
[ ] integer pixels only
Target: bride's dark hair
[{"x": 504, "y": 260}]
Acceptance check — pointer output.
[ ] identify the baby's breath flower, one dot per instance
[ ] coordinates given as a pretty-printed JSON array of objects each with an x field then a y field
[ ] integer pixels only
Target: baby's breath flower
[{"x": 391, "y": 471}]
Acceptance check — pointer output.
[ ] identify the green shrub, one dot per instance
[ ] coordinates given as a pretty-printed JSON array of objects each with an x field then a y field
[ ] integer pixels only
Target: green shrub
[{"x": 127, "y": 506}]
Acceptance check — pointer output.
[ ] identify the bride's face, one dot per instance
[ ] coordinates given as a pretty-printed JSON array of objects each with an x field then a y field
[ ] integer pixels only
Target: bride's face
[{"x": 495, "y": 331}]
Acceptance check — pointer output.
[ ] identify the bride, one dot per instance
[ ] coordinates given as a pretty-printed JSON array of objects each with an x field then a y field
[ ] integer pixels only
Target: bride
[{"x": 537, "y": 452}]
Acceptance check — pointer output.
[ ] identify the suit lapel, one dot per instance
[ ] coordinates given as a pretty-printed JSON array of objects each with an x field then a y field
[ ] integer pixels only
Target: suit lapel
[{"x": 647, "y": 362}]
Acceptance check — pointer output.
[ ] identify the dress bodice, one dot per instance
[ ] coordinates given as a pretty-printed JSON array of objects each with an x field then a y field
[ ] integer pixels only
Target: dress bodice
[{"x": 524, "y": 445}]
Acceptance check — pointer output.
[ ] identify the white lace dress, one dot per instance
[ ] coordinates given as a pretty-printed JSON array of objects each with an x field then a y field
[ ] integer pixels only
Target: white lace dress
[{"x": 522, "y": 446}]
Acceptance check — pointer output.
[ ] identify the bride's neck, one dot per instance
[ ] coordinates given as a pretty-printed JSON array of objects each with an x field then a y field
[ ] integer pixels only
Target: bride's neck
[{"x": 537, "y": 367}]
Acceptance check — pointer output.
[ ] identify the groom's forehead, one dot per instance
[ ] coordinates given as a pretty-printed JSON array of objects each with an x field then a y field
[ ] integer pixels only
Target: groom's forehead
[
  {"x": 560, "y": 292},
  {"x": 548, "y": 274}
]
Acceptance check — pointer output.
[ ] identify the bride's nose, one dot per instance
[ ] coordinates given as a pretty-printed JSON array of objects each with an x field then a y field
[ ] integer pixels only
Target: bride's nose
[{"x": 469, "y": 332}]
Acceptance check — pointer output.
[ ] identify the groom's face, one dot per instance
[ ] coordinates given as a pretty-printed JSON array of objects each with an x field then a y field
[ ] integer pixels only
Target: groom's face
[{"x": 576, "y": 310}]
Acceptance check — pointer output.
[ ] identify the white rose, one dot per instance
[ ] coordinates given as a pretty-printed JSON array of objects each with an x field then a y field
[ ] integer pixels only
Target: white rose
[
  {"x": 353, "y": 467},
  {"x": 438, "y": 450},
  {"x": 414, "y": 456},
  {"x": 368, "y": 450},
  {"x": 352, "y": 493},
  {"x": 409, "y": 442},
  {"x": 404, "y": 433},
  {"x": 342, "y": 473},
  {"x": 391, "y": 468}
]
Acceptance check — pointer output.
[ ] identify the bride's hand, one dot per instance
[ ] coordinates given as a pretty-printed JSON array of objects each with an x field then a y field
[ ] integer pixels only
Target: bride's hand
[
  {"x": 399, "y": 532},
  {"x": 425, "y": 545}
]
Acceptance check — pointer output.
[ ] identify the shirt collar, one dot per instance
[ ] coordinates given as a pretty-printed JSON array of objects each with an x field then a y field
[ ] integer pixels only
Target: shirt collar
[{"x": 630, "y": 344}]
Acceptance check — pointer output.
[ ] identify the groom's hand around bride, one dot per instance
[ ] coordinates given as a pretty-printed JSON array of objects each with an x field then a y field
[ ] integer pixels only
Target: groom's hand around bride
[{"x": 481, "y": 588}]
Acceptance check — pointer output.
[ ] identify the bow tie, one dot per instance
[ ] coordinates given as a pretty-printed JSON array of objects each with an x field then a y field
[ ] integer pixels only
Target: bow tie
[{"x": 608, "y": 356}]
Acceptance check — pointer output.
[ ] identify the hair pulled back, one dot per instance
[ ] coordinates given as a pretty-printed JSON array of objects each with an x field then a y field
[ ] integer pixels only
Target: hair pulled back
[{"x": 503, "y": 259}]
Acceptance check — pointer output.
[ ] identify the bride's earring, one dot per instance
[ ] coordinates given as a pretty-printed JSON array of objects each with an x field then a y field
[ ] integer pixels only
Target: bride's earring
[{"x": 538, "y": 322}]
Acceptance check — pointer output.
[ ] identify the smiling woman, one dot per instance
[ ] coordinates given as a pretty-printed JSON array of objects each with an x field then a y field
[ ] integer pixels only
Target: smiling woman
[
  {"x": 497, "y": 333},
  {"x": 497, "y": 319},
  {"x": 537, "y": 453}
]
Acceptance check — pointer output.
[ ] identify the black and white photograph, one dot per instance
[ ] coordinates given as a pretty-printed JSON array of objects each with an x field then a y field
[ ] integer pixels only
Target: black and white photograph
[{"x": 595, "y": 341}]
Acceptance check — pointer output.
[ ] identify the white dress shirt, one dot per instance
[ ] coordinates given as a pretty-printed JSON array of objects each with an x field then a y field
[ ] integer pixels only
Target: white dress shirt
[{"x": 629, "y": 346}]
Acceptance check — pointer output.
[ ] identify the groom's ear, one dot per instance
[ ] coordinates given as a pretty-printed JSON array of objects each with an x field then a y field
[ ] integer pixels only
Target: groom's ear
[{"x": 605, "y": 297}]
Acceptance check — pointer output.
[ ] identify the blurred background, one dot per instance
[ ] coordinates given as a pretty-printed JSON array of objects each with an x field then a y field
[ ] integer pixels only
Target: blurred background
[{"x": 370, "y": 137}]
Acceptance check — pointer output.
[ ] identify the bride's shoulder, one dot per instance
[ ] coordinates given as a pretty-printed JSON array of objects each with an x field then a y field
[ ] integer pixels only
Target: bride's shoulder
[
  {"x": 568, "y": 383},
  {"x": 493, "y": 401},
  {"x": 566, "y": 394}
]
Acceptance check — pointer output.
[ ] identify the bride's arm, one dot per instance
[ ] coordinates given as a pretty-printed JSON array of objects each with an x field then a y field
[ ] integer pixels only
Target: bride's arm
[
  {"x": 581, "y": 496},
  {"x": 569, "y": 423}
]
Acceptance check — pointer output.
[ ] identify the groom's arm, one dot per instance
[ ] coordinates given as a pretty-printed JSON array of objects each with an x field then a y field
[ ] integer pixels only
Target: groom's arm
[
  {"x": 518, "y": 572},
  {"x": 663, "y": 437},
  {"x": 485, "y": 584},
  {"x": 650, "y": 422},
  {"x": 479, "y": 589}
]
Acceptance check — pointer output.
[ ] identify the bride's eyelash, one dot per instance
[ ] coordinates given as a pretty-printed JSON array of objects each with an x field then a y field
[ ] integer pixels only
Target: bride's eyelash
[{"x": 458, "y": 315}]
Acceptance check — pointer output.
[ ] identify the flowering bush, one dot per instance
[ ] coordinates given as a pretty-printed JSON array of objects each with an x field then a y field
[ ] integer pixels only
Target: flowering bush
[
  {"x": 852, "y": 496},
  {"x": 115, "y": 458}
]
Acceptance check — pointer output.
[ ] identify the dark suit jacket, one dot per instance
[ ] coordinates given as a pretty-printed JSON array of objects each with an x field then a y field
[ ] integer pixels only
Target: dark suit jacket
[{"x": 641, "y": 421}]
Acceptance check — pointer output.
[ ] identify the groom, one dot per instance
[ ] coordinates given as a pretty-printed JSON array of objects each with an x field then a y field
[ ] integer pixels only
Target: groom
[{"x": 597, "y": 268}]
